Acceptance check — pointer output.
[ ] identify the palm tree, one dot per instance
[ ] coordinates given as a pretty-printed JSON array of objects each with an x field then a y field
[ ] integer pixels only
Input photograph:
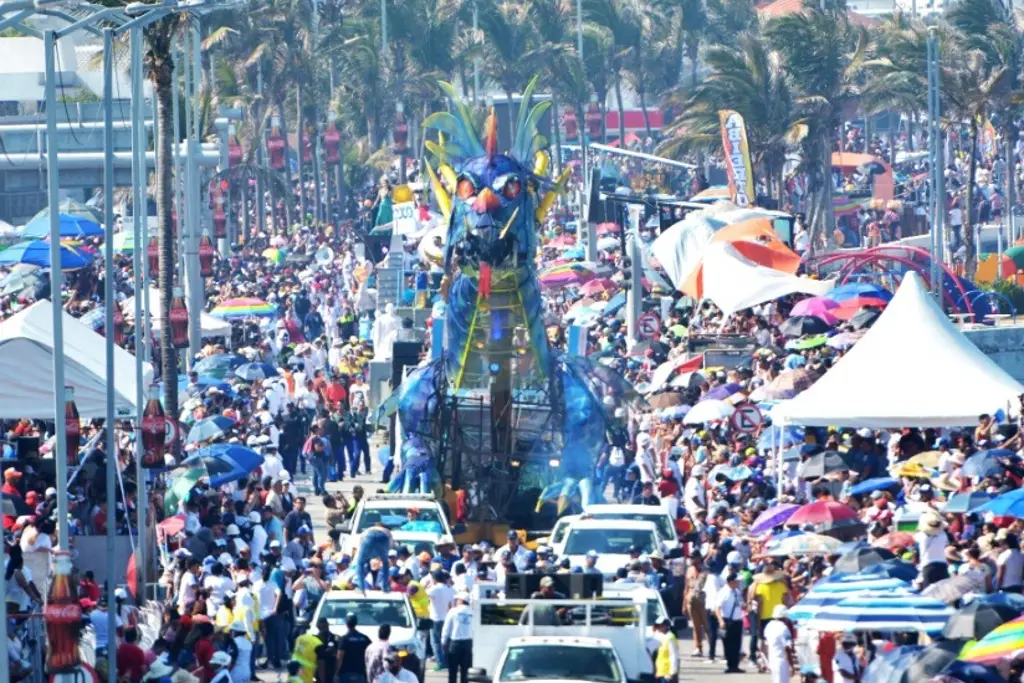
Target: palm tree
[
  {"x": 510, "y": 36},
  {"x": 824, "y": 54},
  {"x": 623, "y": 21},
  {"x": 552, "y": 57},
  {"x": 751, "y": 80}
]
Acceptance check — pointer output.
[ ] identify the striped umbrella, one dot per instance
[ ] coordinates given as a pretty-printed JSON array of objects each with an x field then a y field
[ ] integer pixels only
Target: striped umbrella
[
  {"x": 786, "y": 386},
  {"x": 244, "y": 308},
  {"x": 835, "y": 590},
  {"x": 1005, "y": 641},
  {"x": 894, "y": 612},
  {"x": 806, "y": 544}
]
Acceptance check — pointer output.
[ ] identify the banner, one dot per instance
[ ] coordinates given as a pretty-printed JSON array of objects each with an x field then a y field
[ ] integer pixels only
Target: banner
[
  {"x": 988, "y": 141},
  {"x": 737, "y": 158}
]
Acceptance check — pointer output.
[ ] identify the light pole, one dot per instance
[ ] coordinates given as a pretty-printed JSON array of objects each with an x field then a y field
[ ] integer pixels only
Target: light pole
[
  {"x": 476, "y": 58},
  {"x": 937, "y": 209}
]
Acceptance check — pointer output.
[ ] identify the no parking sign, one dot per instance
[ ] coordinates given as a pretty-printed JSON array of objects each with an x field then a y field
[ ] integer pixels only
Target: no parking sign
[{"x": 648, "y": 325}]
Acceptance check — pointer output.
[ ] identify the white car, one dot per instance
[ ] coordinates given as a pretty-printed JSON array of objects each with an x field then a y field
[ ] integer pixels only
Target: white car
[
  {"x": 392, "y": 510},
  {"x": 559, "y": 658},
  {"x": 372, "y": 609},
  {"x": 416, "y": 541},
  {"x": 612, "y": 540},
  {"x": 644, "y": 513},
  {"x": 557, "y": 538}
]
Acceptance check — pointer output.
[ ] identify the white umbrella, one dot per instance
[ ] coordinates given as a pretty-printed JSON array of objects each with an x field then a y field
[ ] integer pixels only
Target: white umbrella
[{"x": 708, "y": 411}]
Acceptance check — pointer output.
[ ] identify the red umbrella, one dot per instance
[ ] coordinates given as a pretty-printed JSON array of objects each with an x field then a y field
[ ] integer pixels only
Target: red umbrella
[
  {"x": 821, "y": 512},
  {"x": 565, "y": 240},
  {"x": 607, "y": 228},
  {"x": 598, "y": 286},
  {"x": 847, "y": 309},
  {"x": 895, "y": 541}
]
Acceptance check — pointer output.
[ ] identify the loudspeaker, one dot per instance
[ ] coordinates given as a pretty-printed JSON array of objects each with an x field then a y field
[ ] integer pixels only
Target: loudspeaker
[
  {"x": 522, "y": 586},
  {"x": 596, "y": 211},
  {"x": 27, "y": 447},
  {"x": 403, "y": 353}
]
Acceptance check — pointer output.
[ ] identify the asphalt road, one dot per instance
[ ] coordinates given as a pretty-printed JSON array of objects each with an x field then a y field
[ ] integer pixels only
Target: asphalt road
[{"x": 690, "y": 669}]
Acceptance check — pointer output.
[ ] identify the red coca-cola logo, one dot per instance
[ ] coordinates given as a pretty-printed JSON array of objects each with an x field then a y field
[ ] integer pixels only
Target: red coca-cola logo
[{"x": 70, "y": 612}]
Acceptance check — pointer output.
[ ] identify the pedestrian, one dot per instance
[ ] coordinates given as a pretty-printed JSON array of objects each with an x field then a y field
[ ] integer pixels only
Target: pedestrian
[
  {"x": 778, "y": 641},
  {"x": 730, "y": 619},
  {"x": 441, "y": 596},
  {"x": 352, "y": 652},
  {"x": 457, "y": 639},
  {"x": 376, "y": 654},
  {"x": 666, "y": 661},
  {"x": 694, "y": 605},
  {"x": 328, "y": 655}
]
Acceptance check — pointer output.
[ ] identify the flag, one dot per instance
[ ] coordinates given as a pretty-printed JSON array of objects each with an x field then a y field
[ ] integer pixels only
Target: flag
[
  {"x": 131, "y": 575},
  {"x": 737, "y": 157},
  {"x": 182, "y": 481}
]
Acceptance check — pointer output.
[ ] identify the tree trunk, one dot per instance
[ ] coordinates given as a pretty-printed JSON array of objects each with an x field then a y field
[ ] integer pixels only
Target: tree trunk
[
  {"x": 301, "y": 152},
  {"x": 693, "y": 53},
  {"x": 970, "y": 248},
  {"x": 828, "y": 216},
  {"x": 622, "y": 111},
  {"x": 647, "y": 118},
  {"x": 246, "y": 224},
  {"x": 162, "y": 75},
  {"x": 289, "y": 192},
  {"x": 556, "y": 131}
]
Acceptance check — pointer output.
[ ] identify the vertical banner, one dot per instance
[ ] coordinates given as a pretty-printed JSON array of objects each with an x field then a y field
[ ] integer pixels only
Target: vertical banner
[
  {"x": 737, "y": 157},
  {"x": 988, "y": 141}
]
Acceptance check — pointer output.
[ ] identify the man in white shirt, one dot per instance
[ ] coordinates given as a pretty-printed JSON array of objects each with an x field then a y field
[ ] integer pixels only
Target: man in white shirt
[
  {"x": 694, "y": 496},
  {"x": 259, "y": 534},
  {"x": 395, "y": 672},
  {"x": 187, "y": 589},
  {"x": 457, "y": 638},
  {"x": 441, "y": 596},
  {"x": 516, "y": 551},
  {"x": 272, "y": 465},
  {"x": 778, "y": 640},
  {"x": 846, "y": 663},
  {"x": 730, "y": 619}
]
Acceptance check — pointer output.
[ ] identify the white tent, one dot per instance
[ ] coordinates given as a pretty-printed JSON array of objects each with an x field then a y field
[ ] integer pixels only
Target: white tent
[
  {"x": 913, "y": 368},
  {"x": 734, "y": 282},
  {"x": 26, "y": 364},
  {"x": 209, "y": 326}
]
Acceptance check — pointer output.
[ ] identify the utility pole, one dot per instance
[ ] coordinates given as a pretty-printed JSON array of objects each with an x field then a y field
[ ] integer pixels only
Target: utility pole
[{"x": 476, "y": 59}]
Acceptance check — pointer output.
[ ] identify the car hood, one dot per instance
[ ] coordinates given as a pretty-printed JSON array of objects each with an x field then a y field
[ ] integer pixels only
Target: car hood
[{"x": 606, "y": 564}]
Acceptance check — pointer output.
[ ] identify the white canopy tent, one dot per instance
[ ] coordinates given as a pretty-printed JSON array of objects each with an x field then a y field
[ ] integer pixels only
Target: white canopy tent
[
  {"x": 26, "y": 364},
  {"x": 734, "y": 282},
  {"x": 209, "y": 326},
  {"x": 913, "y": 368}
]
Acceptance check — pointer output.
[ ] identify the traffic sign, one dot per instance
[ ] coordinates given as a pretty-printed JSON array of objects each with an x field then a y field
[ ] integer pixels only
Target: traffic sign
[
  {"x": 405, "y": 218},
  {"x": 747, "y": 418},
  {"x": 648, "y": 325}
]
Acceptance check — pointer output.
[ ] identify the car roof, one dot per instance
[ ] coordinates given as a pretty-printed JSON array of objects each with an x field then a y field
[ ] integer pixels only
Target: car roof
[
  {"x": 579, "y": 641},
  {"x": 360, "y": 595},
  {"x": 404, "y": 503},
  {"x": 638, "y": 524},
  {"x": 649, "y": 510}
]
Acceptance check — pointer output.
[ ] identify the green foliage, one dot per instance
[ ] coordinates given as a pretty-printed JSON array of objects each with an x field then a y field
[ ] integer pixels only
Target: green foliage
[{"x": 1011, "y": 290}]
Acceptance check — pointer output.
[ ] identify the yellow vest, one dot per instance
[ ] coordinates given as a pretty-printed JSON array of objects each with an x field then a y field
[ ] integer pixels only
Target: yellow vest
[
  {"x": 420, "y": 601},
  {"x": 222, "y": 621},
  {"x": 663, "y": 660},
  {"x": 305, "y": 650}
]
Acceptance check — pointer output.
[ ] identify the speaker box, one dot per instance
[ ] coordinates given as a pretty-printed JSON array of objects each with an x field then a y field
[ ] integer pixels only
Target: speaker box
[
  {"x": 27, "y": 447},
  {"x": 404, "y": 354},
  {"x": 522, "y": 586}
]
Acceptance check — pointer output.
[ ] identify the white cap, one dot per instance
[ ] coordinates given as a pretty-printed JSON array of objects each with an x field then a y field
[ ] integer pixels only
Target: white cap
[
  {"x": 233, "y": 530},
  {"x": 255, "y": 517},
  {"x": 121, "y": 593},
  {"x": 220, "y": 658},
  {"x": 734, "y": 557},
  {"x": 225, "y": 559}
]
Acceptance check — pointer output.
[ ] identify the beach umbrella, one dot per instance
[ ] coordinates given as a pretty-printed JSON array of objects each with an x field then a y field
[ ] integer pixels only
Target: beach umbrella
[
  {"x": 813, "y": 306},
  {"x": 1016, "y": 254},
  {"x": 894, "y": 612},
  {"x": 805, "y": 343},
  {"x": 845, "y": 340},
  {"x": 219, "y": 365},
  {"x": 225, "y": 462},
  {"x": 989, "y": 462},
  {"x": 805, "y": 544},
  {"x": 786, "y": 386},
  {"x": 674, "y": 412},
  {"x": 563, "y": 275},
  {"x": 775, "y": 437},
  {"x": 1007, "y": 505},
  {"x": 966, "y": 501},
  {"x": 837, "y": 588},
  {"x": 1004, "y": 641},
  {"x": 252, "y": 372},
  {"x": 598, "y": 287},
  {"x": 826, "y": 462},
  {"x": 275, "y": 255},
  {"x": 895, "y": 540},
  {"x": 236, "y": 309},
  {"x": 666, "y": 399},
  {"x": 574, "y": 253},
  {"x": 722, "y": 392},
  {"x": 849, "y": 308},
  {"x": 968, "y": 672},
  {"x": 861, "y": 559},
  {"x": 928, "y": 459},
  {"x": 563, "y": 240},
  {"x": 772, "y": 517},
  {"x": 897, "y": 569},
  {"x": 822, "y": 512},
  {"x": 874, "y": 484},
  {"x": 843, "y": 529},
  {"x": 74, "y": 208},
  {"x": 953, "y": 589},
  {"x": 204, "y": 382},
  {"x": 210, "y": 428},
  {"x": 864, "y": 318},
  {"x": 71, "y": 227},
  {"x": 708, "y": 411},
  {"x": 801, "y": 325},
  {"x": 933, "y": 659},
  {"x": 1014, "y": 600},
  {"x": 854, "y": 289},
  {"x": 731, "y": 473},
  {"x": 615, "y": 304},
  {"x": 977, "y": 619},
  {"x": 37, "y": 253},
  {"x": 889, "y": 667}
]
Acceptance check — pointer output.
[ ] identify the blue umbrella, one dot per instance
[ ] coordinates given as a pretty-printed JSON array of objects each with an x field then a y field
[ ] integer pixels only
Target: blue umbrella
[
  {"x": 219, "y": 365},
  {"x": 875, "y": 484},
  {"x": 836, "y": 589},
  {"x": 37, "y": 253},
  {"x": 972, "y": 673},
  {"x": 892, "y": 612},
  {"x": 251, "y": 372},
  {"x": 1009, "y": 504},
  {"x": 226, "y": 462},
  {"x": 721, "y": 393},
  {"x": 774, "y": 438},
  {"x": 614, "y": 304},
  {"x": 896, "y": 569},
  {"x": 855, "y": 289},
  {"x": 732, "y": 473},
  {"x": 210, "y": 428},
  {"x": 988, "y": 463},
  {"x": 204, "y": 382},
  {"x": 966, "y": 501},
  {"x": 71, "y": 227},
  {"x": 674, "y": 412},
  {"x": 890, "y": 666}
]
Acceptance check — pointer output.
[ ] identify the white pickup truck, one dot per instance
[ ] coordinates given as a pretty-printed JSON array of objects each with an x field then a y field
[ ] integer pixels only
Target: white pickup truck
[
  {"x": 395, "y": 511},
  {"x": 545, "y": 659},
  {"x": 619, "y": 623}
]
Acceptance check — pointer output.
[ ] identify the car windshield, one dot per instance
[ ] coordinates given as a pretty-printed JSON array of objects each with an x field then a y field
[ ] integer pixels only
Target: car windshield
[
  {"x": 369, "y": 612},
  {"x": 608, "y": 541},
  {"x": 559, "y": 532},
  {"x": 397, "y": 518},
  {"x": 662, "y": 521},
  {"x": 417, "y": 547},
  {"x": 561, "y": 662}
]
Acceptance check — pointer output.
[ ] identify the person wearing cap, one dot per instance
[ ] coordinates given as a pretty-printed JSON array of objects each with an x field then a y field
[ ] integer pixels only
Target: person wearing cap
[
  {"x": 767, "y": 591},
  {"x": 220, "y": 664},
  {"x": 847, "y": 663},
  {"x": 395, "y": 671},
  {"x": 666, "y": 660},
  {"x": 446, "y": 553},
  {"x": 518, "y": 555},
  {"x": 778, "y": 642},
  {"x": 241, "y": 668},
  {"x": 590, "y": 563},
  {"x": 457, "y": 638},
  {"x": 695, "y": 496},
  {"x": 729, "y": 612}
]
